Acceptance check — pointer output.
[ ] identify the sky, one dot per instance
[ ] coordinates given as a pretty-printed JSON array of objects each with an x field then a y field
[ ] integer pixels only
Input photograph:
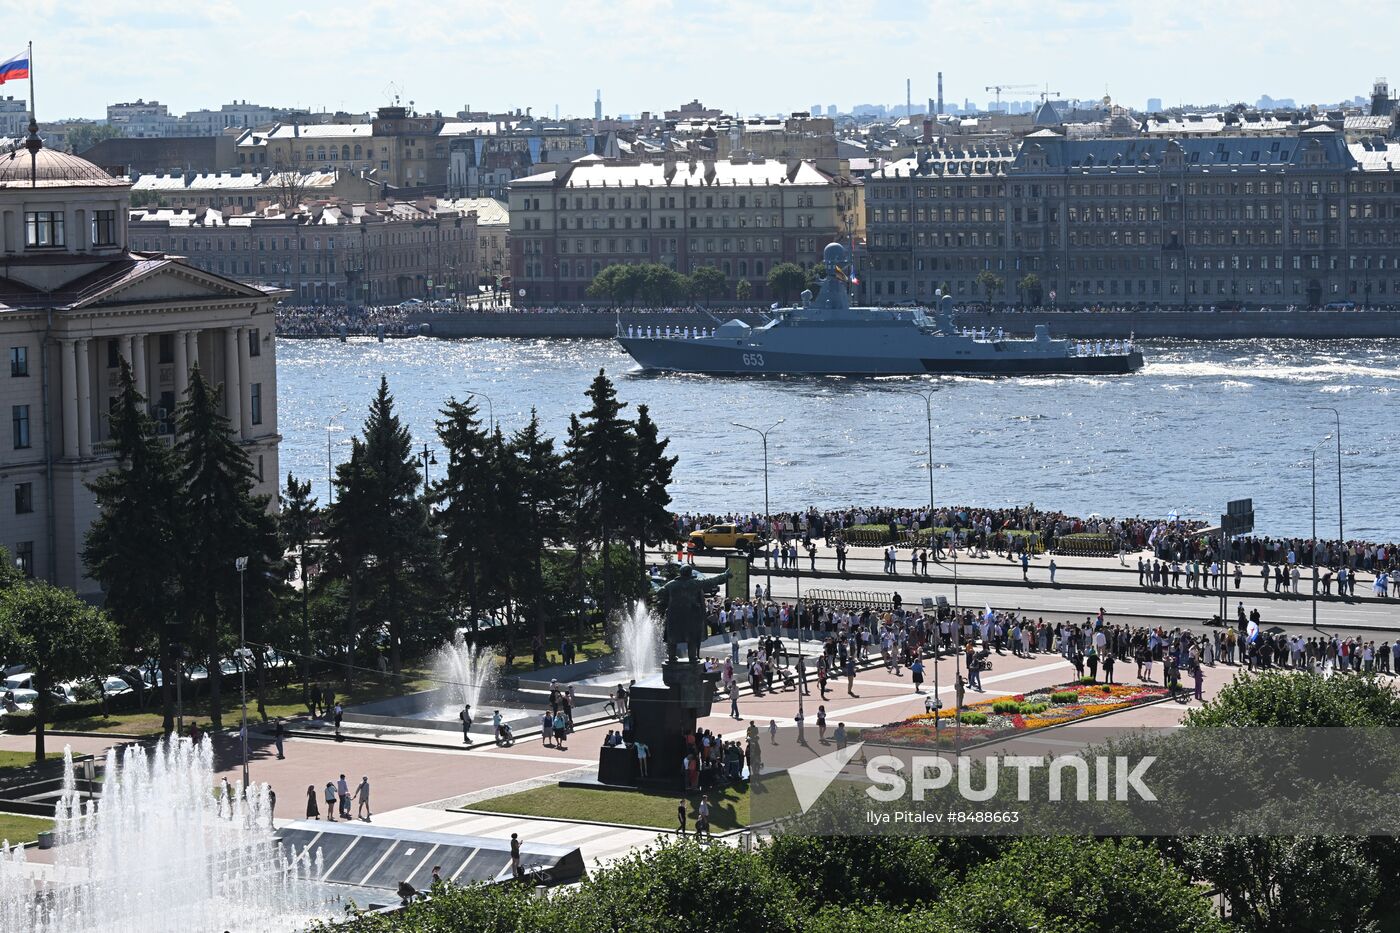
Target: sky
[{"x": 750, "y": 56}]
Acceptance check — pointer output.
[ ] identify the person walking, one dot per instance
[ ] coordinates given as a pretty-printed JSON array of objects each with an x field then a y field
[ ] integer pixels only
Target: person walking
[
  {"x": 916, "y": 674},
  {"x": 330, "y": 800},
  {"x": 313, "y": 811},
  {"x": 680, "y": 818},
  {"x": 702, "y": 818},
  {"x": 821, "y": 723},
  {"x": 547, "y": 729},
  {"x": 516, "y": 868},
  {"x": 339, "y": 714},
  {"x": 342, "y": 787},
  {"x": 561, "y": 729},
  {"x": 1053, "y": 568},
  {"x": 466, "y": 716},
  {"x": 279, "y": 735},
  {"x": 362, "y": 795}
]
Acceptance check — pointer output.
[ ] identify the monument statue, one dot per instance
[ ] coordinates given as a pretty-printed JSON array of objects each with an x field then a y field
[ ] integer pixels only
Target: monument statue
[{"x": 683, "y": 602}]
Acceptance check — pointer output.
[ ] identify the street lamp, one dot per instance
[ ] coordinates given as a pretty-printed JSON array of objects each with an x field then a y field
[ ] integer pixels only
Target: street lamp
[
  {"x": 331, "y": 428},
  {"x": 927, "y": 396},
  {"x": 490, "y": 407},
  {"x": 767, "y": 516},
  {"x": 1338, "y": 417},
  {"x": 1313, "y": 454},
  {"x": 241, "y": 565},
  {"x": 429, "y": 457}
]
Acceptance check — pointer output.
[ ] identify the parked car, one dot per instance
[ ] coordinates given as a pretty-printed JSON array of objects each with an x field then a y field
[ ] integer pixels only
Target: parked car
[{"x": 724, "y": 536}]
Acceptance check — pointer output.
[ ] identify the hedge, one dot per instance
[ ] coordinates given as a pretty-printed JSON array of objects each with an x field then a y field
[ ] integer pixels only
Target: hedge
[{"x": 25, "y": 720}]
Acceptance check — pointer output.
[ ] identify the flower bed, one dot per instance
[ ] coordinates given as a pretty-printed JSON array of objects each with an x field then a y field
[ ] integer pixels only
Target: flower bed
[{"x": 1024, "y": 712}]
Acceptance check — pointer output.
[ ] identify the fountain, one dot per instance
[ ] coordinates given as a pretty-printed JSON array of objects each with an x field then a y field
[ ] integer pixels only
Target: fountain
[
  {"x": 161, "y": 852},
  {"x": 466, "y": 673},
  {"x": 639, "y": 642}
]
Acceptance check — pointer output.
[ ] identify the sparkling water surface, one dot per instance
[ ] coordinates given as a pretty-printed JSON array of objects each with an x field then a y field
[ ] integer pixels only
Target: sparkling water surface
[{"x": 1203, "y": 423}]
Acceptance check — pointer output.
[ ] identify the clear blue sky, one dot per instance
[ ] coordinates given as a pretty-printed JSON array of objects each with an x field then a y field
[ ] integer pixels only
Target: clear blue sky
[{"x": 749, "y": 55}]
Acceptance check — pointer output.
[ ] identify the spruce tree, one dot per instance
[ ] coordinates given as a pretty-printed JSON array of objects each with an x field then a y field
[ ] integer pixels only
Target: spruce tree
[
  {"x": 224, "y": 520},
  {"x": 543, "y": 497},
  {"x": 465, "y": 504},
  {"x": 133, "y": 548},
  {"x": 604, "y": 469},
  {"x": 650, "y": 505},
  {"x": 393, "y": 525}
]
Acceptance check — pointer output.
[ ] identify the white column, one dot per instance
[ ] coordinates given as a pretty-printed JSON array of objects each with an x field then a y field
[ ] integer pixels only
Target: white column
[
  {"x": 69, "y": 364},
  {"x": 127, "y": 352},
  {"x": 84, "y": 401},
  {"x": 245, "y": 405},
  {"x": 138, "y": 365},
  {"x": 192, "y": 338},
  {"x": 233, "y": 392},
  {"x": 182, "y": 365}
]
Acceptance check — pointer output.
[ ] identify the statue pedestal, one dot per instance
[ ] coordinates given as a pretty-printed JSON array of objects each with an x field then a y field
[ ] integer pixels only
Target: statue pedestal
[{"x": 663, "y": 715}]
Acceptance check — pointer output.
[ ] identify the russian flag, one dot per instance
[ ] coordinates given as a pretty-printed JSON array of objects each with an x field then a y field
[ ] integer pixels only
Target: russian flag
[{"x": 15, "y": 68}]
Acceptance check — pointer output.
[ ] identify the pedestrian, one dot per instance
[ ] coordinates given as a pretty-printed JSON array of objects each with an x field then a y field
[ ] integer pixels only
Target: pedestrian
[
  {"x": 916, "y": 674},
  {"x": 1053, "y": 568},
  {"x": 516, "y": 868},
  {"x": 840, "y": 735},
  {"x": 313, "y": 811},
  {"x": 362, "y": 795},
  {"x": 271, "y": 808},
  {"x": 680, "y": 818},
  {"x": 702, "y": 817},
  {"x": 959, "y": 689},
  {"x": 1197, "y": 676},
  {"x": 773, "y": 731},
  {"x": 466, "y": 716},
  {"x": 547, "y": 729},
  {"x": 339, "y": 713},
  {"x": 642, "y": 754},
  {"x": 279, "y": 735},
  {"x": 342, "y": 787},
  {"x": 561, "y": 729},
  {"x": 330, "y": 800}
]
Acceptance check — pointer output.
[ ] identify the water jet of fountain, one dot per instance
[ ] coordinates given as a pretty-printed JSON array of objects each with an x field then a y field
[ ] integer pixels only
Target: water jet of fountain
[
  {"x": 639, "y": 642},
  {"x": 466, "y": 672}
]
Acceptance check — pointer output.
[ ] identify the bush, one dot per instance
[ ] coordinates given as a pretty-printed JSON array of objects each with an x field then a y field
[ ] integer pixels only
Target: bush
[
  {"x": 1064, "y": 696},
  {"x": 1292, "y": 698},
  {"x": 973, "y": 719},
  {"x": 836, "y": 869},
  {"x": 1030, "y": 709},
  {"x": 1007, "y": 706}
]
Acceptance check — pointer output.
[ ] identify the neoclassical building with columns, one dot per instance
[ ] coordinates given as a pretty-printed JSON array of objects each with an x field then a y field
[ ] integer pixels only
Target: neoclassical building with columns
[{"x": 75, "y": 301}]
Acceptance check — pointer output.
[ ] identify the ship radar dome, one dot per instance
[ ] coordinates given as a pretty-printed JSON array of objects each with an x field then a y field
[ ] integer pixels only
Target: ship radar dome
[{"x": 834, "y": 253}]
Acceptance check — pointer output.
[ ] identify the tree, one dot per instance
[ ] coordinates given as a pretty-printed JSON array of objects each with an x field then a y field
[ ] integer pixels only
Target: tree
[
  {"x": 661, "y": 286},
  {"x": 744, "y": 290},
  {"x": 1291, "y": 699},
  {"x": 541, "y": 502},
  {"x": 707, "y": 283},
  {"x": 649, "y": 510},
  {"x": 397, "y": 553},
  {"x": 58, "y": 636},
  {"x": 134, "y": 547},
  {"x": 465, "y": 503},
  {"x": 84, "y": 136},
  {"x": 1029, "y": 287},
  {"x": 603, "y": 469},
  {"x": 294, "y": 526},
  {"x": 224, "y": 521},
  {"x": 785, "y": 280},
  {"x": 9, "y": 574},
  {"x": 289, "y": 182},
  {"x": 990, "y": 283}
]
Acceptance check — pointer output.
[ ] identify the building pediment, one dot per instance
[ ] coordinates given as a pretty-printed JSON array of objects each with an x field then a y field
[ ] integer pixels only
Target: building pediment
[
  {"x": 132, "y": 280},
  {"x": 173, "y": 281}
]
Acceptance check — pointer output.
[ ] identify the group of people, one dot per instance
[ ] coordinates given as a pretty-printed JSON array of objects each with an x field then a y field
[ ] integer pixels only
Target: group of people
[
  {"x": 339, "y": 799},
  {"x": 341, "y": 320}
]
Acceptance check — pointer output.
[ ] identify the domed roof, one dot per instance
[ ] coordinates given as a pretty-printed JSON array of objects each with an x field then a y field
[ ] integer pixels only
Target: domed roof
[{"x": 49, "y": 168}]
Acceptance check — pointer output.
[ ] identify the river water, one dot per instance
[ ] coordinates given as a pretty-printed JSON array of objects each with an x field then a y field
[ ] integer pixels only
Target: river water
[{"x": 1201, "y": 424}]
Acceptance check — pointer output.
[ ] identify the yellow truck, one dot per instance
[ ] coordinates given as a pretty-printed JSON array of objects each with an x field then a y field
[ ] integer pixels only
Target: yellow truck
[{"x": 723, "y": 536}]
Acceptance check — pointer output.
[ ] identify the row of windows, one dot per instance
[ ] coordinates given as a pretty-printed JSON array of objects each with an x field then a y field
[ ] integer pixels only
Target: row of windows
[
  {"x": 1136, "y": 189},
  {"x": 45, "y": 229}
]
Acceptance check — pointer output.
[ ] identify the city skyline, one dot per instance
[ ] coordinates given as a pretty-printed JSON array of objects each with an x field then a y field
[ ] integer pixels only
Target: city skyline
[{"x": 775, "y": 59}]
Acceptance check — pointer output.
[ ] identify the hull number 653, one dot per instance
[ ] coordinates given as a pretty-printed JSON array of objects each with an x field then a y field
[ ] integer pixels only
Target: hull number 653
[{"x": 753, "y": 359}]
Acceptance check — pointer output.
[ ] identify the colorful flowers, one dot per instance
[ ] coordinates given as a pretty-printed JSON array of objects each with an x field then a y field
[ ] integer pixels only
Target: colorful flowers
[{"x": 1036, "y": 709}]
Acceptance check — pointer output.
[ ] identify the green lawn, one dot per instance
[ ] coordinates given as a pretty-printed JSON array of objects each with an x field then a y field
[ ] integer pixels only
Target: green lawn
[
  {"x": 19, "y": 829},
  {"x": 16, "y": 759},
  {"x": 729, "y": 806}
]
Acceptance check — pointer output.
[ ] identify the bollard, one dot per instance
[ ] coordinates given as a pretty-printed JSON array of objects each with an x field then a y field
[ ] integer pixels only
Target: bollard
[{"x": 46, "y": 840}]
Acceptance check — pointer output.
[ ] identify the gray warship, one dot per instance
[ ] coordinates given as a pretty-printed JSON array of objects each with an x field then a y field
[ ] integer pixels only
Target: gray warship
[{"x": 824, "y": 335}]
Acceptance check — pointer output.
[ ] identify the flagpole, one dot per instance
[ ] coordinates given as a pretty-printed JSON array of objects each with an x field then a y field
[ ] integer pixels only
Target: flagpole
[{"x": 32, "y": 114}]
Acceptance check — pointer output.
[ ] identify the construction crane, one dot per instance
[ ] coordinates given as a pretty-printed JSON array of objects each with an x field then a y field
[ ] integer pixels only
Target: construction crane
[
  {"x": 1047, "y": 94},
  {"x": 1009, "y": 87}
]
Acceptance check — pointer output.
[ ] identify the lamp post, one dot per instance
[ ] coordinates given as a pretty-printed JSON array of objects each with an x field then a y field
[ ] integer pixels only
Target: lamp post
[
  {"x": 331, "y": 428},
  {"x": 767, "y": 517},
  {"x": 241, "y": 565},
  {"x": 927, "y": 396},
  {"x": 1313, "y": 454},
  {"x": 1338, "y": 417},
  {"x": 490, "y": 407},
  {"x": 429, "y": 457}
]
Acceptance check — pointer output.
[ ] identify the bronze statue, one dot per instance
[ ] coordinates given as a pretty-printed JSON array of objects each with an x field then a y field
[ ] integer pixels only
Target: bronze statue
[{"x": 683, "y": 602}]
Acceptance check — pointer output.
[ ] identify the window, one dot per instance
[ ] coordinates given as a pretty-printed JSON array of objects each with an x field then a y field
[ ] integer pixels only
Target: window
[
  {"x": 255, "y": 406},
  {"x": 113, "y": 355},
  {"x": 24, "y": 498},
  {"x": 19, "y": 361},
  {"x": 24, "y": 557},
  {"x": 254, "y": 343},
  {"x": 104, "y": 228},
  {"x": 43, "y": 228},
  {"x": 19, "y": 423}
]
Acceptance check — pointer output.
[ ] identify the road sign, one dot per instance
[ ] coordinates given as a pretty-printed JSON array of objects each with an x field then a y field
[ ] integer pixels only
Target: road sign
[{"x": 1240, "y": 507}]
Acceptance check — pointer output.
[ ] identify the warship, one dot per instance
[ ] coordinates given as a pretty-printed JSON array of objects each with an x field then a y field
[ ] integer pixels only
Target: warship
[{"x": 825, "y": 335}]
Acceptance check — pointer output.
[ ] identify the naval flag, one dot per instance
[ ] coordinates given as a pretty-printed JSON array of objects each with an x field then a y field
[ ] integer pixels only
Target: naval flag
[{"x": 14, "y": 68}]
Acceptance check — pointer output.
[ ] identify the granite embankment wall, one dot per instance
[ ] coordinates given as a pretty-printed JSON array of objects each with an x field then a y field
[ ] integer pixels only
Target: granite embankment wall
[{"x": 1191, "y": 325}]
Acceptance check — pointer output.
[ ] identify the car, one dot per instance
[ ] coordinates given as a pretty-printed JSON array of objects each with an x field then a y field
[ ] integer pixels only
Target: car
[
  {"x": 411, "y": 303},
  {"x": 724, "y": 536},
  {"x": 114, "y": 686}
]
